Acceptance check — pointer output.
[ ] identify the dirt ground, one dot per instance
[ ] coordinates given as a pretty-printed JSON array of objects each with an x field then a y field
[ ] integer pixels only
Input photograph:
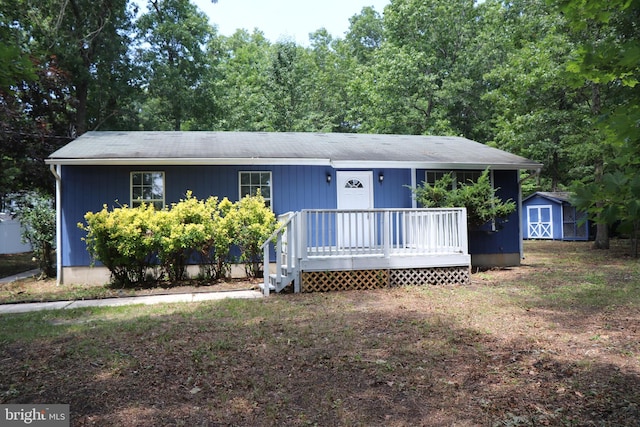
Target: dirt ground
[{"x": 554, "y": 342}]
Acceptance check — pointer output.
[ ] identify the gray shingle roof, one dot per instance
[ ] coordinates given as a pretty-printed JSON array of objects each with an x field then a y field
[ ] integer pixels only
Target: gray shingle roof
[
  {"x": 335, "y": 149},
  {"x": 557, "y": 196}
]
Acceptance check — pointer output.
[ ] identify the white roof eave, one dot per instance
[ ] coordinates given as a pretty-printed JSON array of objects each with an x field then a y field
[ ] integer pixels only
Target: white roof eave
[
  {"x": 340, "y": 164},
  {"x": 186, "y": 161},
  {"x": 336, "y": 164}
]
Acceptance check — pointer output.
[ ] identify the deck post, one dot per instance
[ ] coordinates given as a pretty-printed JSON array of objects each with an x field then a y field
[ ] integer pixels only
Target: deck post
[
  {"x": 386, "y": 233},
  {"x": 279, "y": 261},
  {"x": 265, "y": 270},
  {"x": 462, "y": 231},
  {"x": 297, "y": 282},
  {"x": 303, "y": 236},
  {"x": 290, "y": 248}
]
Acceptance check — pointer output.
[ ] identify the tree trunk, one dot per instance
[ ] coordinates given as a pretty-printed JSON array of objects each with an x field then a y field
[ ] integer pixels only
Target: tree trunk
[
  {"x": 602, "y": 228},
  {"x": 47, "y": 265},
  {"x": 82, "y": 90},
  {"x": 602, "y": 236},
  {"x": 634, "y": 239}
]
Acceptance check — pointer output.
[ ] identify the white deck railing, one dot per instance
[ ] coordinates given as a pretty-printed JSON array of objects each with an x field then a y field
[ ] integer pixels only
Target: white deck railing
[
  {"x": 383, "y": 232},
  {"x": 318, "y": 233}
]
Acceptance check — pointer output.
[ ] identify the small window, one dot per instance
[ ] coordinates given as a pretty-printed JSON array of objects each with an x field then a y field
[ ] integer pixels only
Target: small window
[
  {"x": 466, "y": 177},
  {"x": 574, "y": 223},
  {"x": 459, "y": 177},
  {"x": 353, "y": 183},
  {"x": 251, "y": 182},
  {"x": 147, "y": 187},
  {"x": 432, "y": 176}
]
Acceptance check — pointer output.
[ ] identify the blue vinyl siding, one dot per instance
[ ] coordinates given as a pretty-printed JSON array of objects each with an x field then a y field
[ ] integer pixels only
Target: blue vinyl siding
[
  {"x": 83, "y": 190},
  {"x": 302, "y": 187},
  {"x": 507, "y": 239},
  {"x": 392, "y": 192},
  {"x": 88, "y": 188}
]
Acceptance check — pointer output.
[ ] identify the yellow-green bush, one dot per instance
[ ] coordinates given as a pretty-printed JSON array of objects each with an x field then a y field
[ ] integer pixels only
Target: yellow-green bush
[
  {"x": 253, "y": 223},
  {"x": 215, "y": 256},
  {"x": 179, "y": 232},
  {"x": 122, "y": 240},
  {"x": 131, "y": 242}
]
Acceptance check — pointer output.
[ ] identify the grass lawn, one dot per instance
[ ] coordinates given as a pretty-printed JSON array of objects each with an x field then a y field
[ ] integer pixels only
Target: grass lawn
[{"x": 553, "y": 342}]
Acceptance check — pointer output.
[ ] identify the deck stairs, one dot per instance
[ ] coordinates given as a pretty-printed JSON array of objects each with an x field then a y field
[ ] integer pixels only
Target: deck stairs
[
  {"x": 287, "y": 267},
  {"x": 286, "y": 277}
]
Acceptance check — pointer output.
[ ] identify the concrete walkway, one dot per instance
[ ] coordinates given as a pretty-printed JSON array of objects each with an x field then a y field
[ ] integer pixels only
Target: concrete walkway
[
  {"x": 25, "y": 275},
  {"x": 112, "y": 302}
]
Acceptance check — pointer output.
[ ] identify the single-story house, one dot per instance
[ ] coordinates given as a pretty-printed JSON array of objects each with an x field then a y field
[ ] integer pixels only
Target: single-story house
[
  {"x": 550, "y": 215},
  {"x": 354, "y": 181}
]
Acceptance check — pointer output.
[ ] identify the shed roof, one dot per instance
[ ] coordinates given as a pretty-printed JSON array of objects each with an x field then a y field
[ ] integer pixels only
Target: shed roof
[
  {"x": 555, "y": 196},
  {"x": 332, "y": 149}
]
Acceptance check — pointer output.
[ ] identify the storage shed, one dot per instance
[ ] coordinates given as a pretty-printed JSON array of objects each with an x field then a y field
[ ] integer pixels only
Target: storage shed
[{"x": 550, "y": 215}]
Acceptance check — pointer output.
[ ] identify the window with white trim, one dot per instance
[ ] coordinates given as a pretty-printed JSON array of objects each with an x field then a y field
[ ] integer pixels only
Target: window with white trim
[
  {"x": 459, "y": 177},
  {"x": 147, "y": 187},
  {"x": 430, "y": 177},
  {"x": 466, "y": 177},
  {"x": 252, "y": 181}
]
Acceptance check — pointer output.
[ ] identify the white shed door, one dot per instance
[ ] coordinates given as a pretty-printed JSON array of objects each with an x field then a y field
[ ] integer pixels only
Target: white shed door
[
  {"x": 540, "y": 225},
  {"x": 355, "y": 192}
]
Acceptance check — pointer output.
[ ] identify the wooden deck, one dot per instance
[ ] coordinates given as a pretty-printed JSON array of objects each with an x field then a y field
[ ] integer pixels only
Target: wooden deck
[{"x": 333, "y": 240}]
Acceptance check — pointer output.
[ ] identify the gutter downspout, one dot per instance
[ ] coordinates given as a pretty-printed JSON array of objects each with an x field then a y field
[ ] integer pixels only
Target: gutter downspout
[
  {"x": 536, "y": 173},
  {"x": 414, "y": 184},
  {"x": 55, "y": 170}
]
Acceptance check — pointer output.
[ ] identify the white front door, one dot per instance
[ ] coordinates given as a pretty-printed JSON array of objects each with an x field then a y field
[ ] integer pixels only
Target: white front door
[
  {"x": 355, "y": 192},
  {"x": 540, "y": 223}
]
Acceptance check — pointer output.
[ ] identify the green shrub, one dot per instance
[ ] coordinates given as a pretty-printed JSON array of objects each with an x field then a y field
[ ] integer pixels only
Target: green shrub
[
  {"x": 131, "y": 241},
  {"x": 215, "y": 254},
  {"x": 179, "y": 232},
  {"x": 478, "y": 197},
  {"x": 37, "y": 218},
  {"x": 253, "y": 223},
  {"x": 122, "y": 240},
  {"x": 435, "y": 195}
]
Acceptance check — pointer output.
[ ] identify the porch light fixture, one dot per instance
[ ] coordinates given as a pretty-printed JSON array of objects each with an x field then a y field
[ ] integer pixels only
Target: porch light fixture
[
  {"x": 328, "y": 178},
  {"x": 381, "y": 177}
]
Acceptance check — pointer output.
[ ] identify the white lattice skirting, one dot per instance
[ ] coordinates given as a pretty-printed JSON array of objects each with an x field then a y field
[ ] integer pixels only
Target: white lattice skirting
[
  {"x": 430, "y": 276},
  {"x": 324, "y": 281}
]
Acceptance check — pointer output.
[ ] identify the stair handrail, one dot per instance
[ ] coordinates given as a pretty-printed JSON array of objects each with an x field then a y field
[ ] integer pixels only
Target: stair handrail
[{"x": 275, "y": 237}]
